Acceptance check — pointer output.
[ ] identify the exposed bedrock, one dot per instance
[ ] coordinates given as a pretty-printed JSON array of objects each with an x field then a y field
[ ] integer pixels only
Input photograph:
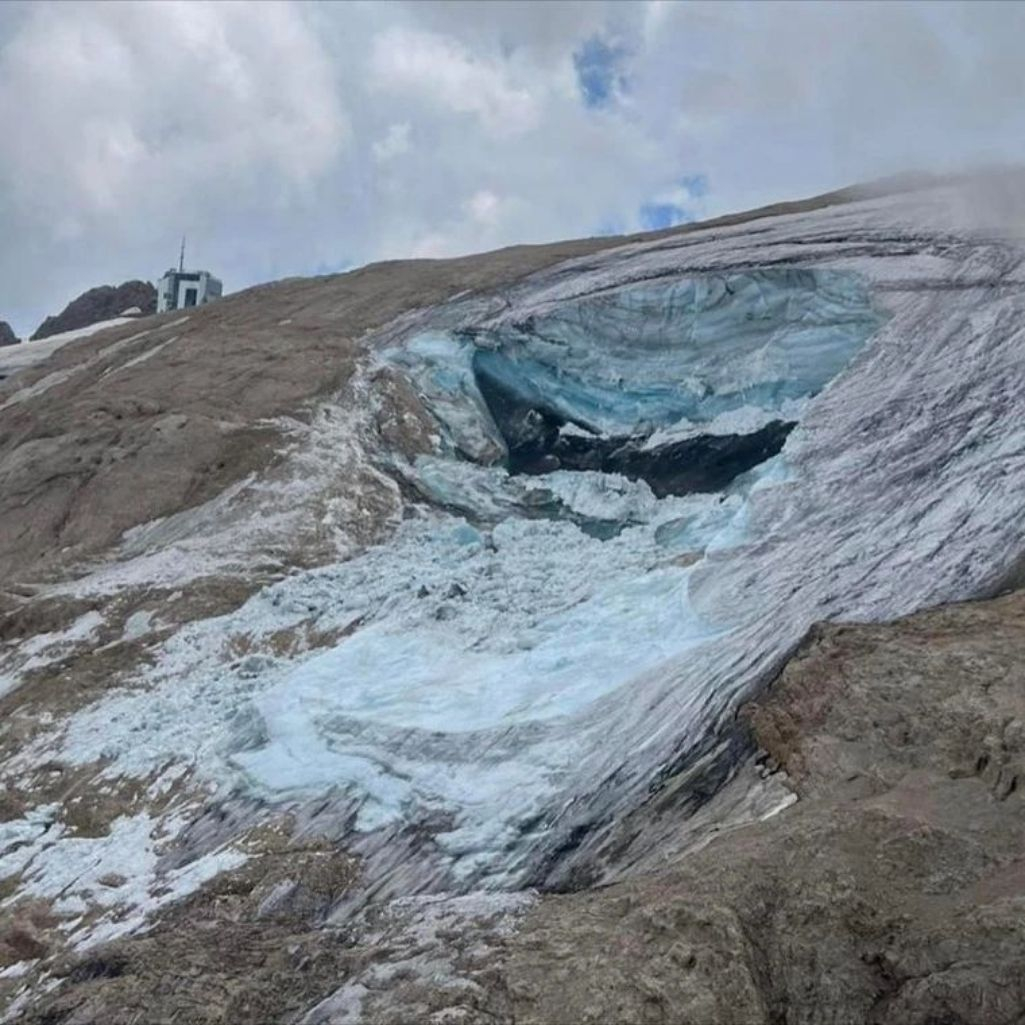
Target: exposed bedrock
[
  {"x": 97, "y": 304},
  {"x": 890, "y": 894}
]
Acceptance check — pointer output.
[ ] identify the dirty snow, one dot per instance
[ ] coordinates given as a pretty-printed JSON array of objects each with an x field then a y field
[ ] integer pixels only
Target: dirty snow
[
  {"x": 106, "y": 886},
  {"x": 46, "y": 648}
]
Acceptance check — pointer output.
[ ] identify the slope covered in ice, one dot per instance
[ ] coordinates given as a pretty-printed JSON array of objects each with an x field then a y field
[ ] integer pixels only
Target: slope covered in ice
[
  {"x": 617, "y": 494},
  {"x": 474, "y": 642}
]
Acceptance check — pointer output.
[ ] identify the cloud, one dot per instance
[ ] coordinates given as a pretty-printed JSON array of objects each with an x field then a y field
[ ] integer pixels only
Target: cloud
[
  {"x": 287, "y": 138},
  {"x": 394, "y": 143},
  {"x": 484, "y": 206},
  {"x": 123, "y": 125},
  {"x": 114, "y": 97},
  {"x": 433, "y": 69}
]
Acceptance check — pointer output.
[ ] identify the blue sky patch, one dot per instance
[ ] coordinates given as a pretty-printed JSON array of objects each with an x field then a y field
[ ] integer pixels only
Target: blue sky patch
[
  {"x": 597, "y": 64},
  {"x": 655, "y": 216}
]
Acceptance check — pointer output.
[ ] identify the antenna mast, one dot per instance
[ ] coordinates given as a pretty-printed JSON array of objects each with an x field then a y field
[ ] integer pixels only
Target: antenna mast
[{"x": 181, "y": 257}]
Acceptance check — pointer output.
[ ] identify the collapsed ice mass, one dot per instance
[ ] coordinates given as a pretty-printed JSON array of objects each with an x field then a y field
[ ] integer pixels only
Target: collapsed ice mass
[{"x": 589, "y": 456}]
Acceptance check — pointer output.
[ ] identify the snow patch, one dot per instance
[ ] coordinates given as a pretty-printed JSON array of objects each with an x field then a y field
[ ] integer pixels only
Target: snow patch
[
  {"x": 44, "y": 649},
  {"x": 116, "y": 878}
]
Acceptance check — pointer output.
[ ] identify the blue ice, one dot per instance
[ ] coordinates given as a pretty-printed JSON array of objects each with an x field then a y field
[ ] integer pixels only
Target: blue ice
[
  {"x": 447, "y": 709},
  {"x": 640, "y": 357}
]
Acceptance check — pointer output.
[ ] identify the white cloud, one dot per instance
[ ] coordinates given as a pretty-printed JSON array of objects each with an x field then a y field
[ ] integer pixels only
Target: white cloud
[
  {"x": 124, "y": 124},
  {"x": 484, "y": 206},
  {"x": 289, "y": 139},
  {"x": 110, "y": 97},
  {"x": 394, "y": 143},
  {"x": 438, "y": 69}
]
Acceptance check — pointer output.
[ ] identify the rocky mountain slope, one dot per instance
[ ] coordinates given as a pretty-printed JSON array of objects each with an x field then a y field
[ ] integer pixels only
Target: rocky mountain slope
[
  {"x": 395, "y": 645},
  {"x": 104, "y": 302},
  {"x": 890, "y": 892},
  {"x": 7, "y": 335}
]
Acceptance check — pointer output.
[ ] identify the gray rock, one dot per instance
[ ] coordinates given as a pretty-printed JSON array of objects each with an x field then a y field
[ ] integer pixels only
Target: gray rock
[
  {"x": 890, "y": 893},
  {"x": 98, "y": 304}
]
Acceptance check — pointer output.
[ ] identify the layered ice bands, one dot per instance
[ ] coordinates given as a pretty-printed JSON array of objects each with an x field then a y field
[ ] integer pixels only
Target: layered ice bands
[
  {"x": 658, "y": 353},
  {"x": 683, "y": 384}
]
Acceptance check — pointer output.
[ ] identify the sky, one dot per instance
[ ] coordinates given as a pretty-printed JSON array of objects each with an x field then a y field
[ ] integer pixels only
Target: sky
[{"x": 291, "y": 139}]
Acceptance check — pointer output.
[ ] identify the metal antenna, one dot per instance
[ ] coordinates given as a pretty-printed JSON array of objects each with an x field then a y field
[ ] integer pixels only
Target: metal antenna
[{"x": 181, "y": 257}]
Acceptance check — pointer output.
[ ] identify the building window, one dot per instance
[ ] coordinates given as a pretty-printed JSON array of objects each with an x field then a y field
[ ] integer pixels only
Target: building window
[{"x": 190, "y": 296}]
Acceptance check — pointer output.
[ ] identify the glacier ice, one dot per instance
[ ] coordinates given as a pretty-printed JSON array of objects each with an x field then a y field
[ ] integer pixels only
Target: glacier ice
[
  {"x": 476, "y": 641},
  {"x": 684, "y": 384},
  {"x": 689, "y": 349}
]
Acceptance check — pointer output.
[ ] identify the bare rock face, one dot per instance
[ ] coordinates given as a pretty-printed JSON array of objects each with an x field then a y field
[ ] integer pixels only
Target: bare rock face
[
  {"x": 98, "y": 304},
  {"x": 7, "y": 335},
  {"x": 891, "y": 892}
]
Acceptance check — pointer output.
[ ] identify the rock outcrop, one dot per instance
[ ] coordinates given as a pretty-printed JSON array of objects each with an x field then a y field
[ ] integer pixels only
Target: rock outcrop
[
  {"x": 98, "y": 304},
  {"x": 891, "y": 893},
  {"x": 7, "y": 335}
]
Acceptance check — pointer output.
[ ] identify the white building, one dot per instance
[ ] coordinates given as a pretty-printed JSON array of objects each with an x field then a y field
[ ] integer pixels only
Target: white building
[{"x": 180, "y": 288}]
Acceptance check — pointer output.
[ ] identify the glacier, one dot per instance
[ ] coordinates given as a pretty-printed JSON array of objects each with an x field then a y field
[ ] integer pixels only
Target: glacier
[
  {"x": 559, "y": 625},
  {"x": 606, "y": 381},
  {"x": 687, "y": 349},
  {"x": 478, "y": 639}
]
